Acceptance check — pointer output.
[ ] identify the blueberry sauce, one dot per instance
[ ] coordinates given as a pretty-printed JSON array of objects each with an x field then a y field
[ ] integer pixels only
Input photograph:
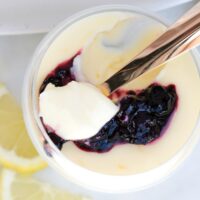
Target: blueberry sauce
[
  {"x": 140, "y": 120},
  {"x": 58, "y": 141},
  {"x": 61, "y": 75}
]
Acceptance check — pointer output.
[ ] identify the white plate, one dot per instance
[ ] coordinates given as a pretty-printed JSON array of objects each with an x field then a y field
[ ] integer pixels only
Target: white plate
[{"x": 22, "y": 16}]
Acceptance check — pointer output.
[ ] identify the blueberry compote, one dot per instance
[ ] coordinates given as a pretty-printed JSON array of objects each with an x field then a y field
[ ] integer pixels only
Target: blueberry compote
[{"x": 140, "y": 120}]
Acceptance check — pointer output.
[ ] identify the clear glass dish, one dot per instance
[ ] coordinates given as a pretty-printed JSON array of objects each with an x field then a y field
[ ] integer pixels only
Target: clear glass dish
[{"x": 71, "y": 171}]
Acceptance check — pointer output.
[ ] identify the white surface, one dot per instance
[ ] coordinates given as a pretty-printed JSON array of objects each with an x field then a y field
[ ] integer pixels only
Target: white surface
[
  {"x": 184, "y": 184},
  {"x": 22, "y": 16}
]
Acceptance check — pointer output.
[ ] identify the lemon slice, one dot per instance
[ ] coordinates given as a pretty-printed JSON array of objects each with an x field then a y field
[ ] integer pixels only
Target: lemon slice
[
  {"x": 16, "y": 187},
  {"x": 16, "y": 149}
]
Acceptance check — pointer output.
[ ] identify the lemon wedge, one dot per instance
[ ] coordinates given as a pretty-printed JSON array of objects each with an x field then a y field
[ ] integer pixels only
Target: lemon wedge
[
  {"x": 17, "y": 187},
  {"x": 16, "y": 149}
]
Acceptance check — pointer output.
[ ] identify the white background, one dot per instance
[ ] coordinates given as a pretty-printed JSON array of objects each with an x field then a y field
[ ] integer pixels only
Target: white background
[
  {"x": 17, "y": 16},
  {"x": 15, "y": 52}
]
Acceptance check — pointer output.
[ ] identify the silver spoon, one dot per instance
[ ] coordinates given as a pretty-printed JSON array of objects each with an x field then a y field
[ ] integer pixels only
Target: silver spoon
[{"x": 180, "y": 37}]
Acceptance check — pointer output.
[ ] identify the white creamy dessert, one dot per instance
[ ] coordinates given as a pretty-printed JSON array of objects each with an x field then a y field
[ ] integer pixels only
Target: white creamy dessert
[
  {"x": 72, "y": 110},
  {"x": 127, "y": 158}
]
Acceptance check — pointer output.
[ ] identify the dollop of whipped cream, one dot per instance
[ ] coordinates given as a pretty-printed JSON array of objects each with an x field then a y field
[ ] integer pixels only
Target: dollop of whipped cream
[
  {"x": 75, "y": 111},
  {"x": 112, "y": 49}
]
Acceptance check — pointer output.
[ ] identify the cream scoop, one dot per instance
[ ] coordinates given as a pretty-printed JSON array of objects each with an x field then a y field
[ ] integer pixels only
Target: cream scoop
[
  {"x": 110, "y": 50},
  {"x": 75, "y": 111}
]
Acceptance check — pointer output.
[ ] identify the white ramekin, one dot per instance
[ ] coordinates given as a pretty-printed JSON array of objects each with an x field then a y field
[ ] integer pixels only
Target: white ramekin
[{"x": 71, "y": 171}]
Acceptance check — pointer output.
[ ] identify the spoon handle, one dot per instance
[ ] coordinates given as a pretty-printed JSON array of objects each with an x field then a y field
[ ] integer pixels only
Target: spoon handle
[{"x": 180, "y": 37}]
